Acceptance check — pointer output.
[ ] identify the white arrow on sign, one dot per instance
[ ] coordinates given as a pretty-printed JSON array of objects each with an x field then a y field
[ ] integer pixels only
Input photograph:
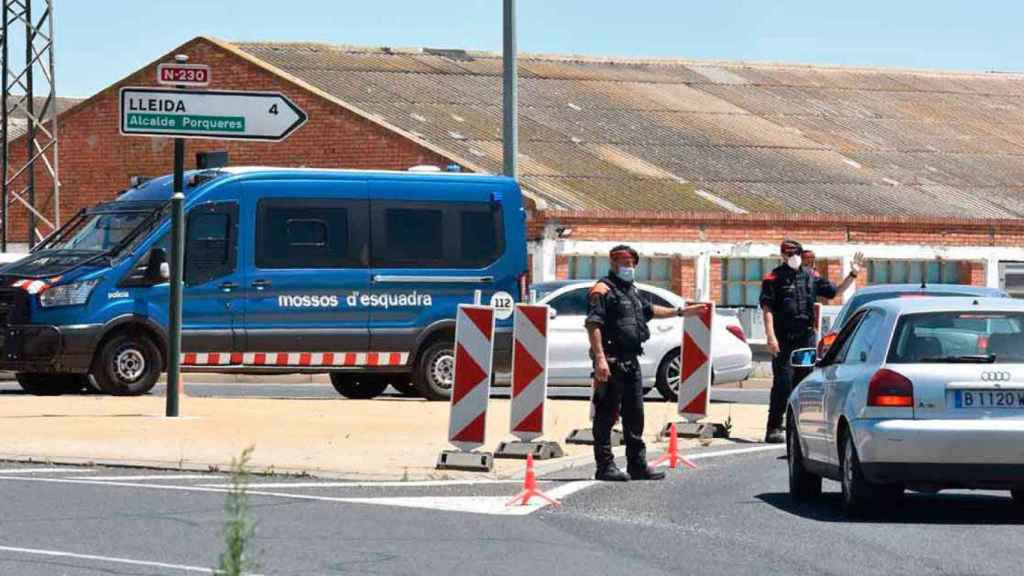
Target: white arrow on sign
[{"x": 224, "y": 115}]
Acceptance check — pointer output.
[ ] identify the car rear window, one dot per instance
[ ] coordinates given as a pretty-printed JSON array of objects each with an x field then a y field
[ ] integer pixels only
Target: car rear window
[
  {"x": 957, "y": 337},
  {"x": 861, "y": 300}
]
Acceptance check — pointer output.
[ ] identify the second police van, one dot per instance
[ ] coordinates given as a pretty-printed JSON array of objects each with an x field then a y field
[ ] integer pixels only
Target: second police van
[{"x": 353, "y": 273}]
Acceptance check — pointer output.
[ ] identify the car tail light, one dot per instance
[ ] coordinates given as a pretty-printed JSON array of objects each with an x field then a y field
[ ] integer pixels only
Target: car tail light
[
  {"x": 737, "y": 331},
  {"x": 889, "y": 389}
]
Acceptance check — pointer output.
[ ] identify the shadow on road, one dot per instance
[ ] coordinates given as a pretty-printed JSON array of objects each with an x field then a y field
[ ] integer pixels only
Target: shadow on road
[{"x": 949, "y": 509}]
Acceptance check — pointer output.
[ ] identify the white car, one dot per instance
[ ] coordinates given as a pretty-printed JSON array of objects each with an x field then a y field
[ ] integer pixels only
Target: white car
[
  {"x": 920, "y": 394},
  {"x": 569, "y": 361}
]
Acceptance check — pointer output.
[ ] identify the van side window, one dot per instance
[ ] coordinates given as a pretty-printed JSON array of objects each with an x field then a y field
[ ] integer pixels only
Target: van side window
[
  {"x": 210, "y": 244},
  {"x": 304, "y": 233},
  {"x": 411, "y": 234}
]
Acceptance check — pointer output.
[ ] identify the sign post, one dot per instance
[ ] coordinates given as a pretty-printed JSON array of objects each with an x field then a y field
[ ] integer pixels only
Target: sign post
[{"x": 181, "y": 113}]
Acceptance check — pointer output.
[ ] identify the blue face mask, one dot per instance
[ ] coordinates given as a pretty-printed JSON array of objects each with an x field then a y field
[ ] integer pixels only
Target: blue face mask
[{"x": 626, "y": 273}]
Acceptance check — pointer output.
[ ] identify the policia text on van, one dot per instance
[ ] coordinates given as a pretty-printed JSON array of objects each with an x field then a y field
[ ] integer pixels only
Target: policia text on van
[{"x": 353, "y": 273}]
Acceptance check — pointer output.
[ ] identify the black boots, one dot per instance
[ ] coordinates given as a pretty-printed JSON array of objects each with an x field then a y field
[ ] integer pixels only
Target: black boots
[
  {"x": 611, "y": 474},
  {"x": 775, "y": 436},
  {"x": 646, "y": 473}
]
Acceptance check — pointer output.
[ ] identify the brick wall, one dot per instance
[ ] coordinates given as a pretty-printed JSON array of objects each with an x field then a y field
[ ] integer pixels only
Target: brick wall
[
  {"x": 96, "y": 162},
  {"x": 561, "y": 267},
  {"x": 684, "y": 277}
]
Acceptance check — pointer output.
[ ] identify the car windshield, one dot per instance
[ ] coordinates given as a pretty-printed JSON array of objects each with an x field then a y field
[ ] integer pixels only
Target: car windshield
[
  {"x": 861, "y": 300},
  {"x": 959, "y": 337}
]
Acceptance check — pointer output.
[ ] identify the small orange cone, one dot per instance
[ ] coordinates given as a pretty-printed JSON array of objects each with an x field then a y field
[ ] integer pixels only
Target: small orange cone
[
  {"x": 530, "y": 488},
  {"x": 672, "y": 456}
]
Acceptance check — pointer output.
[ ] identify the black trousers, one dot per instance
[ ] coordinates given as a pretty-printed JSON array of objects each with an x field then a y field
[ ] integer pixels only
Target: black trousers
[
  {"x": 783, "y": 374},
  {"x": 623, "y": 394}
]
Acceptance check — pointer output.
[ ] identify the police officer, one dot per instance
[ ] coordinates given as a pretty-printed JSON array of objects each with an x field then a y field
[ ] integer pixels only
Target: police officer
[
  {"x": 617, "y": 318},
  {"x": 788, "y": 295}
]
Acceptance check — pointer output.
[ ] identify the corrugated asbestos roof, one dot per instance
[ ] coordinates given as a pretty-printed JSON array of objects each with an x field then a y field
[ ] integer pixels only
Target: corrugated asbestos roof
[{"x": 701, "y": 136}]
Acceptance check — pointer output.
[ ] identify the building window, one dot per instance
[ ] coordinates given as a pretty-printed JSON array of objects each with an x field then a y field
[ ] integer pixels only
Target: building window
[
  {"x": 741, "y": 280},
  {"x": 656, "y": 271},
  {"x": 914, "y": 272}
]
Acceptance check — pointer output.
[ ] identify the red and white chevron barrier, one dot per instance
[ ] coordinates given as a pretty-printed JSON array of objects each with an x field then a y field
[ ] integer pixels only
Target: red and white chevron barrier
[
  {"x": 695, "y": 369},
  {"x": 474, "y": 339},
  {"x": 529, "y": 370}
]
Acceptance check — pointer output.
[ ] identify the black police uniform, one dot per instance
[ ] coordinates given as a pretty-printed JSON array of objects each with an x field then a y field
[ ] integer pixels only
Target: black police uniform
[
  {"x": 790, "y": 296},
  {"x": 622, "y": 313}
]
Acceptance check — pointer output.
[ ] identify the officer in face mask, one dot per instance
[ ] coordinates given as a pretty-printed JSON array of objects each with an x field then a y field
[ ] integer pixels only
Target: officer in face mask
[
  {"x": 616, "y": 324},
  {"x": 788, "y": 295}
]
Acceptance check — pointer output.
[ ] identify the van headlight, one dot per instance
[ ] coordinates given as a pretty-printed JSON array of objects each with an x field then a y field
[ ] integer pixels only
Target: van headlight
[{"x": 74, "y": 294}]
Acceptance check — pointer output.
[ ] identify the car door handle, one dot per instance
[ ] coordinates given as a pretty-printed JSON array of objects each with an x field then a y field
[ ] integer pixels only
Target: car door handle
[
  {"x": 261, "y": 284},
  {"x": 664, "y": 327},
  {"x": 228, "y": 286}
]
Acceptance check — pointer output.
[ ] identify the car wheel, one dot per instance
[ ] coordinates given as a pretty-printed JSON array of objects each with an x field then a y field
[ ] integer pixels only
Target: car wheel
[
  {"x": 405, "y": 387},
  {"x": 129, "y": 364},
  {"x": 802, "y": 484},
  {"x": 358, "y": 386},
  {"x": 40, "y": 384},
  {"x": 667, "y": 381},
  {"x": 435, "y": 371},
  {"x": 861, "y": 497}
]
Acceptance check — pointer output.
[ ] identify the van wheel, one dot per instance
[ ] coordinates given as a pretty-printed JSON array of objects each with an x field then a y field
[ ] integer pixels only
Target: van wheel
[
  {"x": 129, "y": 364},
  {"x": 435, "y": 371},
  {"x": 359, "y": 386}
]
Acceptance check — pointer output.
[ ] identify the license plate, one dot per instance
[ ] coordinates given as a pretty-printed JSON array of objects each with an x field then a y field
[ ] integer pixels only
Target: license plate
[{"x": 990, "y": 399}]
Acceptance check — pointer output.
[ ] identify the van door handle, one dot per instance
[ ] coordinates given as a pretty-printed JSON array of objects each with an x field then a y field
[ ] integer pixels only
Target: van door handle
[
  {"x": 228, "y": 286},
  {"x": 261, "y": 284}
]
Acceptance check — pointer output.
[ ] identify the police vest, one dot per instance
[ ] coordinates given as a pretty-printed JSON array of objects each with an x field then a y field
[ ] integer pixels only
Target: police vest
[{"x": 625, "y": 329}]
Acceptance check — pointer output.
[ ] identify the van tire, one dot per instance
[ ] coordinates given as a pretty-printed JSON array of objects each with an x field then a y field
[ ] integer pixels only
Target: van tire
[
  {"x": 357, "y": 386},
  {"x": 128, "y": 364},
  {"x": 435, "y": 370}
]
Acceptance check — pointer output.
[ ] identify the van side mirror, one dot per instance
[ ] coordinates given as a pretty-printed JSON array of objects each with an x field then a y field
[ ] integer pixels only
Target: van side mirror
[
  {"x": 157, "y": 269},
  {"x": 803, "y": 358}
]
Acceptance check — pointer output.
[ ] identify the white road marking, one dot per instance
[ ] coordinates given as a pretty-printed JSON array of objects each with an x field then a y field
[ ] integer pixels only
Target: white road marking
[
  {"x": 42, "y": 470},
  {"x": 386, "y": 484},
  {"x": 109, "y": 559},
  {"x": 472, "y": 504},
  {"x": 153, "y": 477}
]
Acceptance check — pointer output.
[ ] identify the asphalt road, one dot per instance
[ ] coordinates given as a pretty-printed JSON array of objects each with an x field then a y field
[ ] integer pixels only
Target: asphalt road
[
  {"x": 730, "y": 516},
  {"x": 326, "y": 391}
]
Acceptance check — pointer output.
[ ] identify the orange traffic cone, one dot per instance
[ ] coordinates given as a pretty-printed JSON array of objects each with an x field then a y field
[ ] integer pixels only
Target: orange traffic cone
[
  {"x": 530, "y": 488},
  {"x": 672, "y": 456}
]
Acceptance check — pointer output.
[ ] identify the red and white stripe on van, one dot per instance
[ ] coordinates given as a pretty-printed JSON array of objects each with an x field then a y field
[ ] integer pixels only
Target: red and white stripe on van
[{"x": 294, "y": 358}]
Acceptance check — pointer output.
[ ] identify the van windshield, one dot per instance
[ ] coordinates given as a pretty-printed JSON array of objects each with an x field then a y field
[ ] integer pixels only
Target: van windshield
[
  {"x": 959, "y": 337},
  {"x": 105, "y": 229}
]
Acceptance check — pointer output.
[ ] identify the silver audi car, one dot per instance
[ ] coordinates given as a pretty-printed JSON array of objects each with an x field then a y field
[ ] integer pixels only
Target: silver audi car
[{"x": 918, "y": 394}]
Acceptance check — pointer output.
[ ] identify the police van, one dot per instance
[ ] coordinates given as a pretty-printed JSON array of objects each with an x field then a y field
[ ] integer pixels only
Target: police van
[{"x": 353, "y": 273}]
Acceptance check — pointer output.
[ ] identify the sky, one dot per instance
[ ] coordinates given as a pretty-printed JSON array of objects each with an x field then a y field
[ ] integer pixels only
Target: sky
[{"x": 100, "y": 41}]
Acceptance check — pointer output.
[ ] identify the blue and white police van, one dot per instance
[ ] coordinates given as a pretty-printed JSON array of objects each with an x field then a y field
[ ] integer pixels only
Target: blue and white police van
[{"x": 352, "y": 273}]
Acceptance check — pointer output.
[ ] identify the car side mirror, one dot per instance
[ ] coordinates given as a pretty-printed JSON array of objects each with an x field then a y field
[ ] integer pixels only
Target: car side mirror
[
  {"x": 803, "y": 358},
  {"x": 552, "y": 313},
  {"x": 157, "y": 269}
]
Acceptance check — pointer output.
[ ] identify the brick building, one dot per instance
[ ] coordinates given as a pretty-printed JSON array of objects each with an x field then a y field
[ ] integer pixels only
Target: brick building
[{"x": 704, "y": 166}]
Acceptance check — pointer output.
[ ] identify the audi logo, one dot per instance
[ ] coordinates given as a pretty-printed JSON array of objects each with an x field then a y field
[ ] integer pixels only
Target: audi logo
[{"x": 995, "y": 376}]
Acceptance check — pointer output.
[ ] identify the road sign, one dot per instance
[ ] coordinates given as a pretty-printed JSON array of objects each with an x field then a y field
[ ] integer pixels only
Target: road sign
[
  {"x": 224, "y": 115},
  {"x": 183, "y": 74}
]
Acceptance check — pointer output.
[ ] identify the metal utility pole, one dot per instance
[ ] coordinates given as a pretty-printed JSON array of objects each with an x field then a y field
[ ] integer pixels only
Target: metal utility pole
[
  {"x": 510, "y": 97},
  {"x": 177, "y": 272},
  {"x": 23, "y": 81}
]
